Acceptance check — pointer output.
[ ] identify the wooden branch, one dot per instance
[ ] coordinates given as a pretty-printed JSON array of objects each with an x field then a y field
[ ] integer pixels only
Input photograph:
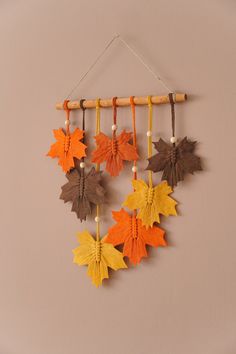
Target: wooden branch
[{"x": 122, "y": 102}]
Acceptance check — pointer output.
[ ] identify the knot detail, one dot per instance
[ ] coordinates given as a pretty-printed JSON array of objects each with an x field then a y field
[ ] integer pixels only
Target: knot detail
[
  {"x": 150, "y": 195},
  {"x": 134, "y": 227},
  {"x": 173, "y": 155},
  {"x": 98, "y": 252},
  {"x": 81, "y": 186},
  {"x": 114, "y": 147},
  {"x": 67, "y": 143}
]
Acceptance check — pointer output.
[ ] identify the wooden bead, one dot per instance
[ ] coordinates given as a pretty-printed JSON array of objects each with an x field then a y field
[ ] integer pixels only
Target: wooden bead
[{"x": 82, "y": 165}]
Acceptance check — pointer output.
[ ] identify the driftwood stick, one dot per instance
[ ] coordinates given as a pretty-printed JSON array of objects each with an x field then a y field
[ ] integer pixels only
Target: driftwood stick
[{"x": 125, "y": 101}]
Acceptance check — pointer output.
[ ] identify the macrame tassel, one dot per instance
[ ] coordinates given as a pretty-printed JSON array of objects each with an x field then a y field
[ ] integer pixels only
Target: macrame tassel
[
  {"x": 68, "y": 145},
  {"x": 174, "y": 160}
]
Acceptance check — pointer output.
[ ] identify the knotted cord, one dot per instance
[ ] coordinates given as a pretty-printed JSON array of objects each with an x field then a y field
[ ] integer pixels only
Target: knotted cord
[
  {"x": 132, "y": 104},
  {"x": 149, "y": 137},
  {"x": 172, "y": 104},
  {"x": 97, "y": 168},
  {"x": 67, "y": 122},
  {"x": 83, "y": 128}
]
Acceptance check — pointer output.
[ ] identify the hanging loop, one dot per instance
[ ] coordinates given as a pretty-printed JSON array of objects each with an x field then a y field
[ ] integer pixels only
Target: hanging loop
[
  {"x": 149, "y": 100},
  {"x": 114, "y": 127},
  {"x": 172, "y": 104},
  {"x": 97, "y": 103},
  {"x": 114, "y": 102},
  {"x": 65, "y": 105},
  {"x": 149, "y": 136},
  {"x": 67, "y": 110},
  {"x": 81, "y": 103},
  {"x": 132, "y": 101},
  {"x": 97, "y": 116}
]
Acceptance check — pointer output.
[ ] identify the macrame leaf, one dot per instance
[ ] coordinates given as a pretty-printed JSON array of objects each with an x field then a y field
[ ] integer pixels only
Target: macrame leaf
[
  {"x": 175, "y": 161},
  {"x": 129, "y": 231},
  {"x": 67, "y": 147},
  {"x": 83, "y": 191},
  {"x": 98, "y": 255},
  {"x": 114, "y": 151},
  {"x": 151, "y": 202}
]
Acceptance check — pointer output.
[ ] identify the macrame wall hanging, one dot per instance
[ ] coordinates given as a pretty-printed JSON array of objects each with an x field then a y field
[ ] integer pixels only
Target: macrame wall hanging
[{"x": 136, "y": 224}]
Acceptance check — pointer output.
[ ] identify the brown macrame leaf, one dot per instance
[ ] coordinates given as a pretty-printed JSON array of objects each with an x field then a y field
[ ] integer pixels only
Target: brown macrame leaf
[
  {"x": 175, "y": 161},
  {"x": 83, "y": 190}
]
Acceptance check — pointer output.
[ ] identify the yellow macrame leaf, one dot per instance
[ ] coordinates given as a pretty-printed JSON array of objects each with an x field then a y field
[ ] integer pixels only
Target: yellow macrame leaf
[
  {"x": 151, "y": 202},
  {"x": 98, "y": 255}
]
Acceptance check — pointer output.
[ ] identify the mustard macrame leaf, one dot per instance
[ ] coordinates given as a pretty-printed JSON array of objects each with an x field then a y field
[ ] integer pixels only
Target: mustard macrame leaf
[
  {"x": 98, "y": 255},
  {"x": 151, "y": 202}
]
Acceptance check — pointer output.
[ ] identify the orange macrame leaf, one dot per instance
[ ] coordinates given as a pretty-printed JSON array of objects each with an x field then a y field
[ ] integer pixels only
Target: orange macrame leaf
[
  {"x": 114, "y": 151},
  {"x": 129, "y": 231},
  {"x": 67, "y": 147}
]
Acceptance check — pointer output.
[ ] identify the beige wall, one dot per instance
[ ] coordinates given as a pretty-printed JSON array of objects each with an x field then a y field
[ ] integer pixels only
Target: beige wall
[{"x": 180, "y": 300}]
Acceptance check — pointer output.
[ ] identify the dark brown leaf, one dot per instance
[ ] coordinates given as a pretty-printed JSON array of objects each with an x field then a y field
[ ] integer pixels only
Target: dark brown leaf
[
  {"x": 174, "y": 161},
  {"x": 83, "y": 191}
]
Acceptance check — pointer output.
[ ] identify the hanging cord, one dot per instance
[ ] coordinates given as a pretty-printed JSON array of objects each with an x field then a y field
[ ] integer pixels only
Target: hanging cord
[
  {"x": 138, "y": 56},
  {"x": 172, "y": 104},
  {"x": 114, "y": 126},
  {"x": 149, "y": 136},
  {"x": 81, "y": 103},
  {"x": 97, "y": 168},
  {"x": 83, "y": 128},
  {"x": 67, "y": 122},
  {"x": 134, "y": 168},
  {"x": 132, "y": 104}
]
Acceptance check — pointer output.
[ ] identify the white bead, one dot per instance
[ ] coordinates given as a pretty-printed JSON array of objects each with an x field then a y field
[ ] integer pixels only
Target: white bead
[
  {"x": 114, "y": 127},
  {"x": 82, "y": 165},
  {"x": 97, "y": 219},
  {"x": 67, "y": 122},
  {"x": 149, "y": 133},
  {"x": 134, "y": 169},
  {"x": 173, "y": 139}
]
